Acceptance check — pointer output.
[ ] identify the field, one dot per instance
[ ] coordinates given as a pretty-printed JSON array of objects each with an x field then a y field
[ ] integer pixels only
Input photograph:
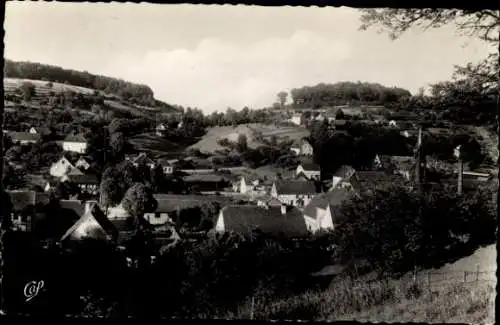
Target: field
[
  {"x": 153, "y": 144},
  {"x": 208, "y": 144}
]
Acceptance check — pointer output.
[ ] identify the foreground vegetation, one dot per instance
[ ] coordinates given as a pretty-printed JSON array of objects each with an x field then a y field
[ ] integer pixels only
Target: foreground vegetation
[{"x": 380, "y": 301}]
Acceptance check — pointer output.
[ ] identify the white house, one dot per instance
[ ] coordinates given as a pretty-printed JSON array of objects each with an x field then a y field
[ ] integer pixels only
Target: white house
[
  {"x": 296, "y": 119},
  {"x": 160, "y": 129},
  {"x": 343, "y": 173},
  {"x": 275, "y": 220},
  {"x": 323, "y": 211},
  {"x": 82, "y": 163},
  {"x": 63, "y": 167},
  {"x": 166, "y": 166},
  {"x": 87, "y": 183},
  {"x": 142, "y": 159},
  {"x": 23, "y": 138},
  {"x": 246, "y": 185},
  {"x": 302, "y": 148},
  {"x": 294, "y": 192},
  {"x": 74, "y": 143},
  {"x": 310, "y": 170},
  {"x": 393, "y": 123}
]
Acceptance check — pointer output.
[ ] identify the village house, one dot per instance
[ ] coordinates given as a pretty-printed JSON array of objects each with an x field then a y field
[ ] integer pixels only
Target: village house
[
  {"x": 296, "y": 119},
  {"x": 74, "y": 143},
  {"x": 83, "y": 163},
  {"x": 39, "y": 130},
  {"x": 302, "y": 148},
  {"x": 166, "y": 166},
  {"x": 294, "y": 192},
  {"x": 26, "y": 206},
  {"x": 206, "y": 182},
  {"x": 274, "y": 220},
  {"x": 23, "y": 138},
  {"x": 160, "y": 129},
  {"x": 141, "y": 159},
  {"x": 93, "y": 224},
  {"x": 88, "y": 183},
  {"x": 310, "y": 170},
  {"x": 341, "y": 175},
  {"x": 246, "y": 184},
  {"x": 393, "y": 123},
  {"x": 323, "y": 211},
  {"x": 63, "y": 167}
]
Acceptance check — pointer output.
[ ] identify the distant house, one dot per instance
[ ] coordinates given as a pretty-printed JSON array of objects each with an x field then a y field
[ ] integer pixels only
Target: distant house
[
  {"x": 39, "y": 130},
  {"x": 88, "y": 183},
  {"x": 296, "y": 119},
  {"x": 83, "y": 163},
  {"x": 323, "y": 211},
  {"x": 166, "y": 166},
  {"x": 246, "y": 184},
  {"x": 393, "y": 123},
  {"x": 302, "y": 147},
  {"x": 310, "y": 170},
  {"x": 93, "y": 224},
  {"x": 25, "y": 208},
  {"x": 294, "y": 192},
  {"x": 272, "y": 220},
  {"x": 342, "y": 174},
  {"x": 63, "y": 167},
  {"x": 142, "y": 159},
  {"x": 23, "y": 138},
  {"x": 74, "y": 143},
  {"x": 206, "y": 182},
  {"x": 403, "y": 165},
  {"x": 160, "y": 129}
]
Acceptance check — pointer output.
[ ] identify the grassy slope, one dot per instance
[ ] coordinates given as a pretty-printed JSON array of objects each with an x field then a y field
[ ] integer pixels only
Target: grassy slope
[
  {"x": 392, "y": 300},
  {"x": 153, "y": 144}
]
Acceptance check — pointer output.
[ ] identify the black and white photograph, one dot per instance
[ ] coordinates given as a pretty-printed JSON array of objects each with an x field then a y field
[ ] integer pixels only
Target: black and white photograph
[{"x": 182, "y": 161}]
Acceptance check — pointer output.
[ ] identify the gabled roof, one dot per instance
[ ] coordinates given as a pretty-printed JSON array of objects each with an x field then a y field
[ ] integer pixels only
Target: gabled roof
[
  {"x": 73, "y": 205},
  {"x": 23, "y": 136},
  {"x": 335, "y": 198},
  {"x": 308, "y": 166},
  {"x": 82, "y": 178},
  {"x": 142, "y": 158},
  {"x": 344, "y": 171},
  {"x": 75, "y": 138},
  {"x": 41, "y": 129},
  {"x": 104, "y": 230},
  {"x": 245, "y": 218},
  {"x": 294, "y": 187},
  {"x": 22, "y": 199},
  {"x": 164, "y": 162},
  {"x": 204, "y": 178}
]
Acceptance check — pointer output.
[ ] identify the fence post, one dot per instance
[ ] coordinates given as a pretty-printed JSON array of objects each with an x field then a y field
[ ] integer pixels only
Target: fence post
[
  {"x": 465, "y": 276},
  {"x": 477, "y": 275}
]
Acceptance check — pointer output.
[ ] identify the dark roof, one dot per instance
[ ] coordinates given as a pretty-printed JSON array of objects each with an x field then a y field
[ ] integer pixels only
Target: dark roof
[
  {"x": 23, "y": 199},
  {"x": 75, "y": 138},
  {"x": 203, "y": 178},
  {"x": 83, "y": 179},
  {"x": 164, "y": 162},
  {"x": 284, "y": 187},
  {"x": 335, "y": 198},
  {"x": 171, "y": 202},
  {"x": 310, "y": 166},
  {"x": 74, "y": 205},
  {"x": 244, "y": 218},
  {"x": 23, "y": 136},
  {"x": 344, "y": 171}
]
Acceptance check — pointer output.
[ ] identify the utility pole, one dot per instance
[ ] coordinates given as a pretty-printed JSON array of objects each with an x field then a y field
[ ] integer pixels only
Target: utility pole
[{"x": 460, "y": 170}]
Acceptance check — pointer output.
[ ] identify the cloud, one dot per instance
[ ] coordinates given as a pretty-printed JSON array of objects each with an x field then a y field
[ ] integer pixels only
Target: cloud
[{"x": 217, "y": 74}]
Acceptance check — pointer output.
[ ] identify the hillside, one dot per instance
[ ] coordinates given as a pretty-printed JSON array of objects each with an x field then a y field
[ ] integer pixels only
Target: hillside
[
  {"x": 45, "y": 90},
  {"x": 82, "y": 82}
]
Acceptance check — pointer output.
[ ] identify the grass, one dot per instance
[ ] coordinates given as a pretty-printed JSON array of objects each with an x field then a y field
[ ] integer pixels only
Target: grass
[
  {"x": 387, "y": 301},
  {"x": 149, "y": 142}
]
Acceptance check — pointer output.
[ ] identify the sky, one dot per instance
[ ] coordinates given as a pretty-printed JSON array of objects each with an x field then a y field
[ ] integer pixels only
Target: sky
[{"x": 214, "y": 57}]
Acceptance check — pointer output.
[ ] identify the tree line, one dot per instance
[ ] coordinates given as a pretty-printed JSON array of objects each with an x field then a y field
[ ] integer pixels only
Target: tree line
[{"x": 345, "y": 93}]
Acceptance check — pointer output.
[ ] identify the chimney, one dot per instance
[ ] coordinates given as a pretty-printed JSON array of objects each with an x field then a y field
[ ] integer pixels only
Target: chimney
[{"x": 283, "y": 209}]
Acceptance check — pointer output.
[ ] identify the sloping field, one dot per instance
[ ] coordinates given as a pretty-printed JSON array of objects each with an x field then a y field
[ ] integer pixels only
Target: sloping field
[
  {"x": 208, "y": 144},
  {"x": 42, "y": 88},
  {"x": 153, "y": 144},
  {"x": 292, "y": 132}
]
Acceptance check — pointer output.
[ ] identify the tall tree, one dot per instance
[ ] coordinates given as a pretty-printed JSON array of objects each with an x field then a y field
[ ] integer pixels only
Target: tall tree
[
  {"x": 282, "y": 97},
  {"x": 138, "y": 200}
]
